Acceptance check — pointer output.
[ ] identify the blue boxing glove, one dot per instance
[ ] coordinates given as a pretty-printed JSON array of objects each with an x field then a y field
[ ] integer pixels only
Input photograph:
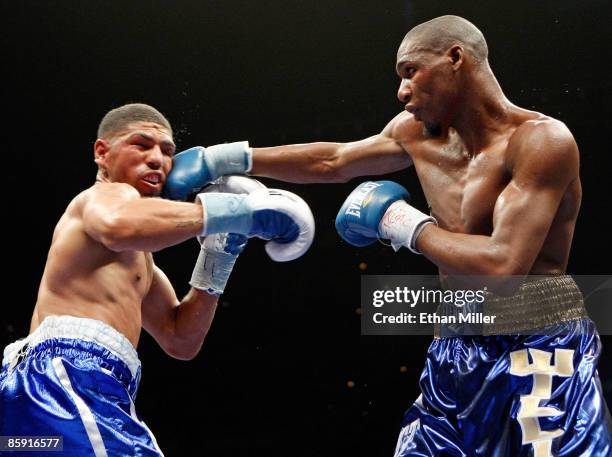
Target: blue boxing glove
[
  {"x": 378, "y": 209},
  {"x": 196, "y": 167},
  {"x": 270, "y": 214}
]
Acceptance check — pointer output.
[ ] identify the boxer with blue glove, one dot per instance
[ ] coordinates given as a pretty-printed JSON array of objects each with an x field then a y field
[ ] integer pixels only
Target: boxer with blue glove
[
  {"x": 380, "y": 210},
  {"x": 276, "y": 215},
  {"x": 503, "y": 184},
  {"x": 77, "y": 372}
]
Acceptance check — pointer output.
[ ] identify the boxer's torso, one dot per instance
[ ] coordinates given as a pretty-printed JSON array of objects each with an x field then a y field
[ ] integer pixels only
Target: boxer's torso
[
  {"x": 83, "y": 278},
  {"x": 462, "y": 187}
]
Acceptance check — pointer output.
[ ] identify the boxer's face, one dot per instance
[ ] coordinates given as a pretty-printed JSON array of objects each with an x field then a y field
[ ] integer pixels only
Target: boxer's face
[
  {"x": 139, "y": 155},
  {"x": 428, "y": 86}
]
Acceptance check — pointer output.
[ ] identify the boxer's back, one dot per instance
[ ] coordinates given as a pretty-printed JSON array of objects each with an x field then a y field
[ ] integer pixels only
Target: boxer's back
[{"x": 84, "y": 278}]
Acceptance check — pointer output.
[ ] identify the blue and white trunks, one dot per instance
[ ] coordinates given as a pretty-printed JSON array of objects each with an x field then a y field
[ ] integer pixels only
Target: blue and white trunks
[
  {"x": 515, "y": 395},
  {"x": 76, "y": 378}
]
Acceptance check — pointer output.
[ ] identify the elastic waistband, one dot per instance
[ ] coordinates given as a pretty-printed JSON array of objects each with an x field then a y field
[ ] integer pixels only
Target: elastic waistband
[
  {"x": 537, "y": 304},
  {"x": 77, "y": 328}
]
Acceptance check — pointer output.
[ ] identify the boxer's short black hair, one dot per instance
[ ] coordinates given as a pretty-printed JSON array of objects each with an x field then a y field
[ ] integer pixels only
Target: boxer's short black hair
[{"x": 118, "y": 118}]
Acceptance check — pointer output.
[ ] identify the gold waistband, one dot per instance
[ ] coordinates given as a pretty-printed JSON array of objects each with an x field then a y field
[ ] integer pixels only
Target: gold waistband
[{"x": 537, "y": 304}]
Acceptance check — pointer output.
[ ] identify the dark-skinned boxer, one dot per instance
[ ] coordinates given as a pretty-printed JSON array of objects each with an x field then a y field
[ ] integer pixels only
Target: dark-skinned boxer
[{"x": 504, "y": 192}]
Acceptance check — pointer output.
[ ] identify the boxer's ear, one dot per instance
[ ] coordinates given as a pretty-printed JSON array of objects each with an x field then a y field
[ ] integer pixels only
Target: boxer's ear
[
  {"x": 456, "y": 56},
  {"x": 101, "y": 148}
]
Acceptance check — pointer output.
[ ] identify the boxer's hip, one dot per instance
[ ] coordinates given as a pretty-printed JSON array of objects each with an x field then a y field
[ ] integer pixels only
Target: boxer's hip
[
  {"x": 537, "y": 307},
  {"x": 87, "y": 344},
  {"x": 75, "y": 378}
]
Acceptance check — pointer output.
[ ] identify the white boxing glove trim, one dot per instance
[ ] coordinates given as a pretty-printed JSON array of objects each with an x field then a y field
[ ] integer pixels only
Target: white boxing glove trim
[
  {"x": 299, "y": 211},
  {"x": 402, "y": 224},
  {"x": 249, "y": 157},
  {"x": 234, "y": 184}
]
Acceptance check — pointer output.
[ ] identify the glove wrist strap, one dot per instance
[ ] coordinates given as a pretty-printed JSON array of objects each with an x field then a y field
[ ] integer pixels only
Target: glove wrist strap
[
  {"x": 211, "y": 271},
  {"x": 402, "y": 224},
  {"x": 228, "y": 159},
  {"x": 225, "y": 213}
]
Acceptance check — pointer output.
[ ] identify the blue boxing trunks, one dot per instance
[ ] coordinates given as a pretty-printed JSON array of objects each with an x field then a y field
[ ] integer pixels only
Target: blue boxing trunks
[
  {"x": 75, "y": 378},
  {"x": 530, "y": 390}
]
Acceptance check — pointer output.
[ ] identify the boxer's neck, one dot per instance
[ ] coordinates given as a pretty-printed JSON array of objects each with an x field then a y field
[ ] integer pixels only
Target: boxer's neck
[{"x": 483, "y": 112}]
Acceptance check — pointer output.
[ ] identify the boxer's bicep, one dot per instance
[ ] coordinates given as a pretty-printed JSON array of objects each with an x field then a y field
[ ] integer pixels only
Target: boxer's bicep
[
  {"x": 545, "y": 166},
  {"x": 377, "y": 155},
  {"x": 521, "y": 221}
]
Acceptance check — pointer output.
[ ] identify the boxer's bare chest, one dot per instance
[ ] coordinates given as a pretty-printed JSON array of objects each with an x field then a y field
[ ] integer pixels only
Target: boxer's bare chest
[
  {"x": 137, "y": 271},
  {"x": 462, "y": 188}
]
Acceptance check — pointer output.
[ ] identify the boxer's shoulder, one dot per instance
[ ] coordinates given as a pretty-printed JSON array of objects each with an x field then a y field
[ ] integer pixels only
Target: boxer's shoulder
[
  {"x": 107, "y": 195},
  {"x": 112, "y": 189},
  {"x": 98, "y": 193},
  {"x": 538, "y": 126},
  {"x": 404, "y": 128},
  {"x": 406, "y": 131},
  {"x": 542, "y": 143}
]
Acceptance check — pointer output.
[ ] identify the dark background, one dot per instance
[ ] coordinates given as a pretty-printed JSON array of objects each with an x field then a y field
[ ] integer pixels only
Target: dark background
[{"x": 275, "y": 374}]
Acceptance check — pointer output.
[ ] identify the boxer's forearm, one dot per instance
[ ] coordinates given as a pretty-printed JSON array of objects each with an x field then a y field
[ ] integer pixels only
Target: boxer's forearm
[
  {"x": 331, "y": 162},
  {"x": 151, "y": 224},
  {"x": 463, "y": 254},
  {"x": 299, "y": 163},
  {"x": 192, "y": 320}
]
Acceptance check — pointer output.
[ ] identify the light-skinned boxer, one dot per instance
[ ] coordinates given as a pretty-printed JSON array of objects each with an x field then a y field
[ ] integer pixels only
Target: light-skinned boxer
[{"x": 76, "y": 374}]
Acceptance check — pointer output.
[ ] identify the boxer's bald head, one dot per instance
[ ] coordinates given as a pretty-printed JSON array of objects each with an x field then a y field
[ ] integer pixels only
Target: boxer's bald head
[
  {"x": 440, "y": 34},
  {"x": 119, "y": 118},
  {"x": 443, "y": 64}
]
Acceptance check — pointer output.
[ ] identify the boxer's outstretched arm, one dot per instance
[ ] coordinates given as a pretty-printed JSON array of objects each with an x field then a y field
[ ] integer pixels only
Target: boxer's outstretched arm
[
  {"x": 179, "y": 327},
  {"x": 545, "y": 162},
  {"x": 115, "y": 215},
  {"x": 334, "y": 162}
]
